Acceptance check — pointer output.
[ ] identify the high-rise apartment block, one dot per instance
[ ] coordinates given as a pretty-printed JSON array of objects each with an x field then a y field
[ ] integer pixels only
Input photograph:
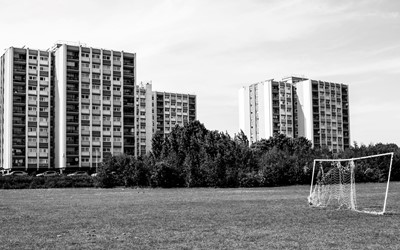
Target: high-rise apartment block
[
  {"x": 72, "y": 106},
  {"x": 27, "y": 114},
  {"x": 297, "y": 107},
  {"x": 160, "y": 112}
]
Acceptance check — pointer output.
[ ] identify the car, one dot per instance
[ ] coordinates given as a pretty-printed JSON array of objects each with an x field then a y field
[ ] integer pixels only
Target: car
[
  {"x": 94, "y": 175},
  {"x": 78, "y": 173},
  {"x": 16, "y": 173},
  {"x": 48, "y": 173}
]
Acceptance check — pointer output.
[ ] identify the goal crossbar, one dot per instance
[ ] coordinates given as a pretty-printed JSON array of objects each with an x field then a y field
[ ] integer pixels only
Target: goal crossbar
[{"x": 355, "y": 159}]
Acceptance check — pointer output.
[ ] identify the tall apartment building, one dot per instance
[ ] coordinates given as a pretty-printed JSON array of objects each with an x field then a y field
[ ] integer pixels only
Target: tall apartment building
[
  {"x": 26, "y": 108},
  {"x": 266, "y": 108},
  {"x": 297, "y": 106},
  {"x": 72, "y": 106},
  {"x": 95, "y": 105},
  {"x": 324, "y": 113},
  {"x": 144, "y": 117},
  {"x": 160, "y": 112}
]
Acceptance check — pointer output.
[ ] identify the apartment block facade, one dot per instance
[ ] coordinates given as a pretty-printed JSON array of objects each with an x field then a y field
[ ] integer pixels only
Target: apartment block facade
[
  {"x": 297, "y": 107},
  {"x": 160, "y": 112},
  {"x": 266, "y": 108},
  {"x": 72, "y": 106},
  {"x": 95, "y": 105},
  {"x": 26, "y": 107}
]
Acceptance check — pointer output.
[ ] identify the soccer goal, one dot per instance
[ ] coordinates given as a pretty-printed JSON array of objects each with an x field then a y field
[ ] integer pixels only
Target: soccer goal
[{"x": 359, "y": 184}]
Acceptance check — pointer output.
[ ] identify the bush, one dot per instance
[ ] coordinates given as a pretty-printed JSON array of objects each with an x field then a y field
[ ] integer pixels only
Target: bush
[{"x": 32, "y": 182}]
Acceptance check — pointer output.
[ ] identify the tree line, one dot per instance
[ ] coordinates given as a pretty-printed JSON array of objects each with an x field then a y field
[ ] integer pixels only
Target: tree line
[{"x": 193, "y": 156}]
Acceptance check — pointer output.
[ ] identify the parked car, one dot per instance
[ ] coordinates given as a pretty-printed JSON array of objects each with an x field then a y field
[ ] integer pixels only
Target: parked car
[
  {"x": 79, "y": 173},
  {"x": 16, "y": 173},
  {"x": 48, "y": 173},
  {"x": 94, "y": 175}
]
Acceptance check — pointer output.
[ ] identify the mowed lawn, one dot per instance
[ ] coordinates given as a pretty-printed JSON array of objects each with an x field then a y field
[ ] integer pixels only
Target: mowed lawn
[{"x": 256, "y": 218}]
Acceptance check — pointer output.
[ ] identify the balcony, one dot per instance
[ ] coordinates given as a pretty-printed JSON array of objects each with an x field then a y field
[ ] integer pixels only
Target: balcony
[
  {"x": 85, "y": 132},
  {"x": 85, "y": 111},
  {"x": 107, "y": 102},
  {"x": 85, "y": 164},
  {"x": 96, "y": 70},
  {"x": 85, "y": 143},
  {"x": 85, "y": 79},
  {"x": 32, "y": 61},
  {"x": 85, "y": 100},
  {"x": 96, "y": 122},
  {"x": 96, "y": 143},
  {"x": 44, "y": 134},
  {"x": 106, "y": 132},
  {"x": 85, "y": 59},
  {"x": 43, "y": 124},
  {"x": 32, "y": 92},
  {"x": 42, "y": 62},
  {"x": 117, "y": 123},
  {"x": 96, "y": 101},
  {"x": 85, "y": 69},
  {"x": 32, "y": 133},
  {"x": 117, "y": 93},
  {"x": 117, "y": 144},
  {"x": 106, "y": 122},
  {"x": 85, "y": 153},
  {"x": 32, "y": 144},
  {"x": 96, "y": 91},
  {"x": 42, "y": 154},
  {"x": 45, "y": 83},
  {"x": 96, "y": 112},
  {"x": 116, "y": 133},
  {"x": 117, "y": 103},
  {"x": 106, "y": 112},
  {"x": 117, "y": 83},
  {"x": 44, "y": 92}
]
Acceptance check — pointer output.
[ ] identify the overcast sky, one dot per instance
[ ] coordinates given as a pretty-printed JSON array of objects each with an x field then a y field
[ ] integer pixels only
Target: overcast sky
[{"x": 211, "y": 48}]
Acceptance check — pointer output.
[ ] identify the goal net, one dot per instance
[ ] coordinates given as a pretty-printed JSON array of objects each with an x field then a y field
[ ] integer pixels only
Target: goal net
[{"x": 360, "y": 184}]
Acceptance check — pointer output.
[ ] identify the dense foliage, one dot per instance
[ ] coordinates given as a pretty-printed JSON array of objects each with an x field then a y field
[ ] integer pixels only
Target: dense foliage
[
  {"x": 23, "y": 182},
  {"x": 192, "y": 156}
]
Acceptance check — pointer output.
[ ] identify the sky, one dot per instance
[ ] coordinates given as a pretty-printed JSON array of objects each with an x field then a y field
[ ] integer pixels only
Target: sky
[{"x": 212, "y": 48}]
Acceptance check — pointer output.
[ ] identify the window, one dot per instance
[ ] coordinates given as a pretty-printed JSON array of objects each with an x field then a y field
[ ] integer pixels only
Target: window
[
  {"x": 85, "y": 138},
  {"x": 106, "y": 129},
  {"x": 106, "y": 118},
  {"x": 32, "y": 150},
  {"x": 117, "y": 99},
  {"x": 32, "y": 160},
  {"x": 33, "y": 57},
  {"x": 85, "y": 65},
  {"x": 106, "y": 67},
  {"x": 85, "y": 117},
  {"x": 43, "y": 109},
  {"x": 95, "y": 76},
  {"x": 85, "y": 85},
  {"x": 85, "y": 149},
  {"x": 32, "y": 77},
  {"x": 115, "y": 78},
  {"x": 117, "y": 119},
  {"x": 32, "y": 67},
  {"x": 117, "y": 129},
  {"x": 106, "y": 78},
  {"x": 96, "y": 56},
  {"x": 106, "y": 88},
  {"x": 107, "y": 139},
  {"x": 106, "y": 57},
  {"x": 32, "y": 119},
  {"x": 96, "y": 139},
  {"x": 96, "y": 86},
  {"x": 116, "y": 88},
  {"x": 43, "y": 140},
  {"x": 117, "y": 109},
  {"x": 85, "y": 54},
  {"x": 32, "y": 140},
  {"x": 96, "y": 107},
  {"x": 117, "y": 58},
  {"x": 106, "y": 108},
  {"x": 85, "y": 106},
  {"x": 117, "y": 68},
  {"x": 85, "y": 128},
  {"x": 85, "y": 96},
  {"x": 44, "y": 58},
  {"x": 96, "y": 128}
]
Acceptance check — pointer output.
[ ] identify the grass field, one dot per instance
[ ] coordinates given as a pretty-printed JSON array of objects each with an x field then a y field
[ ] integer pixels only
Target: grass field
[{"x": 257, "y": 218}]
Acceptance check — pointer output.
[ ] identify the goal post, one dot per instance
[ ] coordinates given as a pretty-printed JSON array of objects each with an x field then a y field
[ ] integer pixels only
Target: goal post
[{"x": 360, "y": 184}]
